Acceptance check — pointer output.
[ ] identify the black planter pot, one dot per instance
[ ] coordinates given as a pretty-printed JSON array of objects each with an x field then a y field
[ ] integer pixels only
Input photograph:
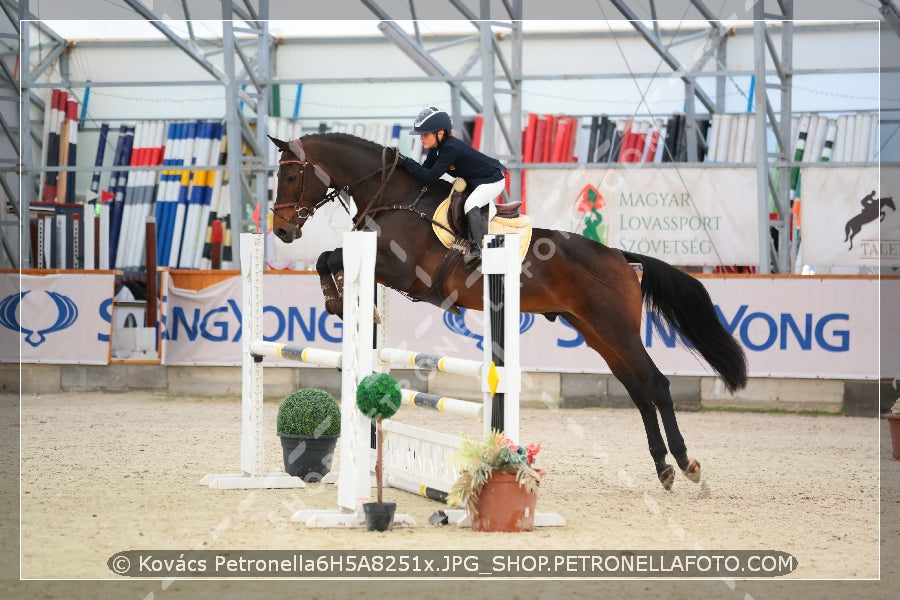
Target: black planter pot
[
  {"x": 306, "y": 456},
  {"x": 379, "y": 517}
]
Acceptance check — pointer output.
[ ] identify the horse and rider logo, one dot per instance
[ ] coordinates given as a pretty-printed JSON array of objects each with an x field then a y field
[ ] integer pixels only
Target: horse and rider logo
[
  {"x": 457, "y": 324},
  {"x": 871, "y": 209},
  {"x": 67, "y": 314}
]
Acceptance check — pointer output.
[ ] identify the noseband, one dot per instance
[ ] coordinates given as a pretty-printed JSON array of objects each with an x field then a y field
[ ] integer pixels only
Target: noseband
[{"x": 301, "y": 213}]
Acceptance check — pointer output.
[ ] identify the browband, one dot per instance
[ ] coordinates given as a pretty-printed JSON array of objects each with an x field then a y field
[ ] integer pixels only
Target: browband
[{"x": 296, "y": 146}]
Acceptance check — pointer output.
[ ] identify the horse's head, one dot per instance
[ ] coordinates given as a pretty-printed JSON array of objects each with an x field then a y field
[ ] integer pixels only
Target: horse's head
[{"x": 302, "y": 188}]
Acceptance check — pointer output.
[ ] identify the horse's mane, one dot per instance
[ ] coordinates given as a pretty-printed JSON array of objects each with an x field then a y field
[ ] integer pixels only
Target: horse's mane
[
  {"x": 441, "y": 186},
  {"x": 349, "y": 137}
]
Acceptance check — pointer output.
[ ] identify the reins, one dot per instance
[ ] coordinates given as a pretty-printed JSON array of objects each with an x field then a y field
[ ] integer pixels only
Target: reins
[{"x": 384, "y": 179}]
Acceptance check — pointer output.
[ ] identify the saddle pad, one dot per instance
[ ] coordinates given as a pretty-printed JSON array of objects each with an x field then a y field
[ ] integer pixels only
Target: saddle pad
[{"x": 498, "y": 226}]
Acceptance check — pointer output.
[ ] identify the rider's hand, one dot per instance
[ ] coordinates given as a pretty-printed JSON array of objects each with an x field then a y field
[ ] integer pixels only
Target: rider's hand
[{"x": 401, "y": 160}]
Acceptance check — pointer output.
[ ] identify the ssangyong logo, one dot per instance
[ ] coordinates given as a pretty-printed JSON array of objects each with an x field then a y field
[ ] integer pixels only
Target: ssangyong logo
[
  {"x": 66, "y": 315},
  {"x": 457, "y": 324}
]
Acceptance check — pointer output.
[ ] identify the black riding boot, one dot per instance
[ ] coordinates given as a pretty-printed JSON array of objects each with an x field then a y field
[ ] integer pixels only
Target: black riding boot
[{"x": 476, "y": 233}]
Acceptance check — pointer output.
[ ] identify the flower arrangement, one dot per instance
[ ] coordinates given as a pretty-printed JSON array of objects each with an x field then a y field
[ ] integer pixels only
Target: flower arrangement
[
  {"x": 480, "y": 457},
  {"x": 895, "y": 410}
]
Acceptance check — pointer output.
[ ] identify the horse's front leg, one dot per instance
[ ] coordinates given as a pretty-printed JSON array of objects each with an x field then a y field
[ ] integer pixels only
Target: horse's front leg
[
  {"x": 883, "y": 215},
  {"x": 330, "y": 267}
]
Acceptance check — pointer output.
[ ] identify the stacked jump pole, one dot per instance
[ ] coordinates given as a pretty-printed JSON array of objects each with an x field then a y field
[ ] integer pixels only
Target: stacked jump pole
[{"x": 498, "y": 373}]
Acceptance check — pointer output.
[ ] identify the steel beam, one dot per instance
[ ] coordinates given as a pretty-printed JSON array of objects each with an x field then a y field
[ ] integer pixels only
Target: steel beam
[
  {"x": 891, "y": 15},
  {"x": 27, "y": 185},
  {"x": 417, "y": 53},
  {"x": 140, "y": 9},
  {"x": 772, "y": 259},
  {"x": 667, "y": 56}
]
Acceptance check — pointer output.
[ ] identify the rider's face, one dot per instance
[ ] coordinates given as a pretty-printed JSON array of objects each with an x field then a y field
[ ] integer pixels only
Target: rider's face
[{"x": 429, "y": 140}]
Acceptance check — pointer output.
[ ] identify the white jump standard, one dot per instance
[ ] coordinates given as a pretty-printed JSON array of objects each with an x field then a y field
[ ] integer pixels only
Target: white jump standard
[{"x": 253, "y": 473}]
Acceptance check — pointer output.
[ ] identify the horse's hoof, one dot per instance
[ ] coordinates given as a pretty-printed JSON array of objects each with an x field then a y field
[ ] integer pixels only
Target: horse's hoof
[
  {"x": 667, "y": 477},
  {"x": 693, "y": 471}
]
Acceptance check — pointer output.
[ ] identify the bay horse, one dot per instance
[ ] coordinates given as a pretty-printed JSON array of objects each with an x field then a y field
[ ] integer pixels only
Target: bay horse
[{"x": 594, "y": 287}]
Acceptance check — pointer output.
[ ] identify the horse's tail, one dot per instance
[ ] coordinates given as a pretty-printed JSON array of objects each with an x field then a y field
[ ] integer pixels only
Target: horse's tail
[{"x": 684, "y": 304}]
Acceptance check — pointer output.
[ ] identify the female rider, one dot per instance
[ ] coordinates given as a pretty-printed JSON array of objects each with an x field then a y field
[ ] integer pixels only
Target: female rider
[{"x": 450, "y": 155}]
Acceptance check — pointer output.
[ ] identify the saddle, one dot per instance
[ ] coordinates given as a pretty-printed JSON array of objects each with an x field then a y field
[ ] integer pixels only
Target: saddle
[
  {"x": 450, "y": 214},
  {"x": 459, "y": 193},
  {"x": 452, "y": 230}
]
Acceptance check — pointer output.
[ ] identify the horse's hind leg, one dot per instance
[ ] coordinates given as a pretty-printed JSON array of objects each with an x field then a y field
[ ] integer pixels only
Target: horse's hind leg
[
  {"x": 663, "y": 399},
  {"x": 851, "y": 232},
  {"x": 649, "y": 390}
]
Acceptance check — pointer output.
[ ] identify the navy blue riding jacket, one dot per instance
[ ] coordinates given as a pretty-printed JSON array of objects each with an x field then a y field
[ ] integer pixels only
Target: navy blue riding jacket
[{"x": 459, "y": 159}]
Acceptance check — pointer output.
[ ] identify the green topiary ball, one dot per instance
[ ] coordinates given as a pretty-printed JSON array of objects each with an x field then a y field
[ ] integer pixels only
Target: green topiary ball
[
  {"x": 378, "y": 395},
  {"x": 309, "y": 411}
]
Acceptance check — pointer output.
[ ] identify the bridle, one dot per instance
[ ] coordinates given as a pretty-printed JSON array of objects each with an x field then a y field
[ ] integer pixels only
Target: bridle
[{"x": 301, "y": 213}]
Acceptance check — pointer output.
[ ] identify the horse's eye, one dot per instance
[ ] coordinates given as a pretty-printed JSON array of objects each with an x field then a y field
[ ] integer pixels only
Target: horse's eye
[{"x": 292, "y": 178}]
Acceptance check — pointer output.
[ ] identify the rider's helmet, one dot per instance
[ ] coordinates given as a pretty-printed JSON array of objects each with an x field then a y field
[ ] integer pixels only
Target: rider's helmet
[{"x": 431, "y": 119}]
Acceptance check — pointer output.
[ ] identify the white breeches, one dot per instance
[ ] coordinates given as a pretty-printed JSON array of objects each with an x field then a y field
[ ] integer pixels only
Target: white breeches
[{"x": 484, "y": 194}]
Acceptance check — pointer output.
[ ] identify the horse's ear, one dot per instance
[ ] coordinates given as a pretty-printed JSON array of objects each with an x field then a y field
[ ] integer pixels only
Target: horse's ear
[
  {"x": 283, "y": 146},
  {"x": 296, "y": 147}
]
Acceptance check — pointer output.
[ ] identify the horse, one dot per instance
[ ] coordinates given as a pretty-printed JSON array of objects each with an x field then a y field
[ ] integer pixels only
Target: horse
[
  {"x": 593, "y": 287},
  {"x": 871, "y": 210}
]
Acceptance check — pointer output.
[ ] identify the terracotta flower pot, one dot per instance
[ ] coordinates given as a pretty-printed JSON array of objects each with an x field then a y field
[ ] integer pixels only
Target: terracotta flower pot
[
  {"x": 504, "y": 505},
  {"x": 894, "y": 424}
]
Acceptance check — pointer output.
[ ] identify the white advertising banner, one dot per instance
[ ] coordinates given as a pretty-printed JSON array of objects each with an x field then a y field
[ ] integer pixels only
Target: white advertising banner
[
  {"x": 788, "y": 327},
  {"x": 204, "y": 327},
  {"x": 56, "y": 318},
  {"x": 697, "y": 216},
  {"x": 819, "y": 327},
  {"x": 843, "y": 211}
]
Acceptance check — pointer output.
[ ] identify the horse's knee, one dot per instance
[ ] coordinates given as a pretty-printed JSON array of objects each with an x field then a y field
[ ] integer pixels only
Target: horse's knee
[
  {"x": 335, "y": 260},
  {"x": 322, "y": 264}
]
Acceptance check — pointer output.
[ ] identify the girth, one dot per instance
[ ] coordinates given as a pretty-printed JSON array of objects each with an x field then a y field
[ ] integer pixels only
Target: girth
[{"x": 436, "y": 293}]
